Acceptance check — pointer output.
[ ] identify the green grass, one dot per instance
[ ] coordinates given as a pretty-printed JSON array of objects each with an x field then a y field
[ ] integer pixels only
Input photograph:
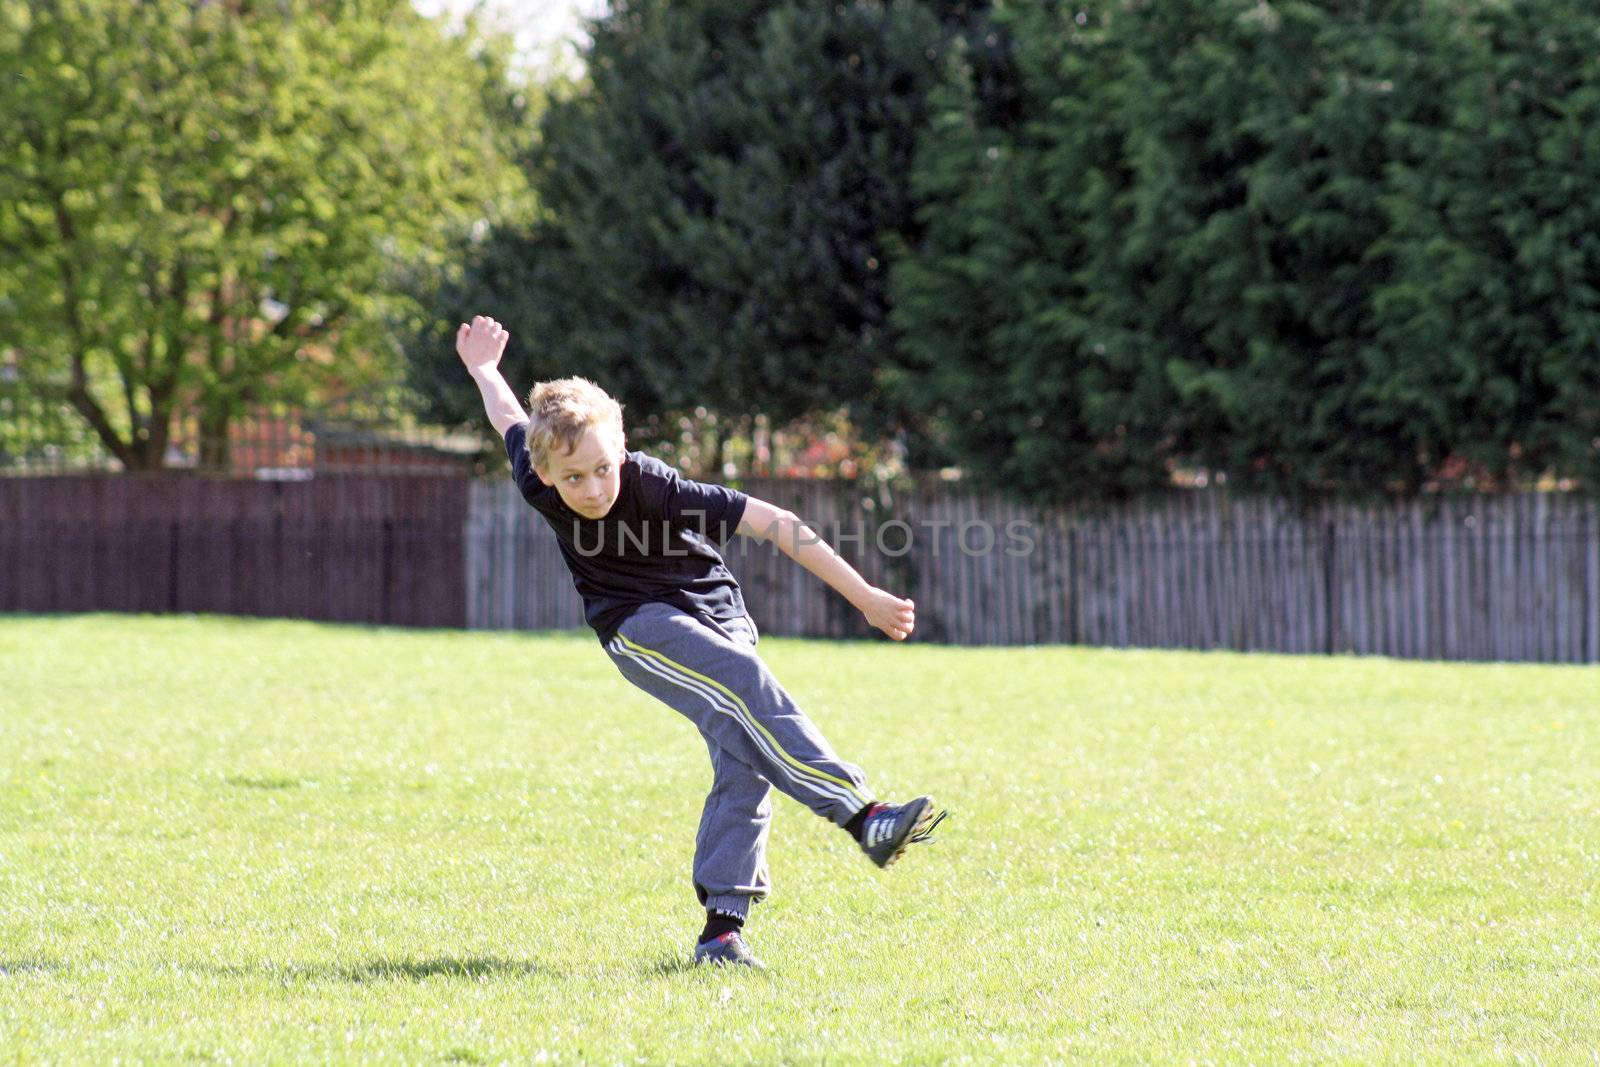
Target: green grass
[{"x": 247, "y": 841}]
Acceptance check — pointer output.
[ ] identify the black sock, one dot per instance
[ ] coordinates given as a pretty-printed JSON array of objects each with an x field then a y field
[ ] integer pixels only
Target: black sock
[
  {"x": 718, "y": 923},
  {"x": 857, "y": 821}
]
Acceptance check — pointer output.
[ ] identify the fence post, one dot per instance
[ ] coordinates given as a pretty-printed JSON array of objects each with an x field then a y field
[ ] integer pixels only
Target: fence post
[
  {"x": 1591, "y": 583},
  {"x": 1074, "y": 589},
  {"x": 384, "y": 605},
  {"x": 1330, "y": 576},
  {"x": 172, "y": 567}
]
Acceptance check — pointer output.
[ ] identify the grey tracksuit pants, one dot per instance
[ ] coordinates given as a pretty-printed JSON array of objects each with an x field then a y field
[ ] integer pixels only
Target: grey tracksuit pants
[{"x": 758, "y": 737}]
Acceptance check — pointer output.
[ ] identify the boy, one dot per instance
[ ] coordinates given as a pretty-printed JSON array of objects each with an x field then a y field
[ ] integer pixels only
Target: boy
[{"x": 641, "y": 544}]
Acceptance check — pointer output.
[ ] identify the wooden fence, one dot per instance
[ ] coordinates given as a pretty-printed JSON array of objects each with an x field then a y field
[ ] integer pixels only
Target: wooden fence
[
  {"x": 356, "y": 548},
  {"x": 1469, "y": 578}
]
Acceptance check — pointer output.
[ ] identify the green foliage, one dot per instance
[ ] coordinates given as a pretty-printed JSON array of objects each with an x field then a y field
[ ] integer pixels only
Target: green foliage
[
  {"x": 719, "y": 207},
  {"x": 1315, "y": 247},
  {"x": 206, "y": 206},
  {"x": 1489, "y": 326},
  {"x": 37, "y": 432},
  {"x": 1312, "y": 248}
]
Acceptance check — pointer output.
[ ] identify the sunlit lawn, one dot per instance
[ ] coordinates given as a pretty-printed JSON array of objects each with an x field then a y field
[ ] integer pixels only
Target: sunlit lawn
[{"x": 231, "y": 840}]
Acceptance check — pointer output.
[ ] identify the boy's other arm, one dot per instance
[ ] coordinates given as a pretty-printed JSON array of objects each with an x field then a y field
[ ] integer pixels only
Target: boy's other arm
[
  {"x": 480, "y": 344},
  {"x": 767, "y": 522}
]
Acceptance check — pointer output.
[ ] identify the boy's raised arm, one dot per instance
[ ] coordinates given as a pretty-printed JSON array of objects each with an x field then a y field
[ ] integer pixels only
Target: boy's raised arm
[
  {"x": 894, "y": 615},
  {"x": 480, "y": 344}
]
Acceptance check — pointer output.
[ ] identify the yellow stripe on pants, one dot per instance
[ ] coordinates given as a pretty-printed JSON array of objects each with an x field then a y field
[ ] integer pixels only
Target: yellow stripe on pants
[{"x": 750, "y": 718}]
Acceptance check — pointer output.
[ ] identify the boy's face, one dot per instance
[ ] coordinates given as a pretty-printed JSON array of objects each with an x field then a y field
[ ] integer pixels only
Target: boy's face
[{"x": 590, "y": 476}]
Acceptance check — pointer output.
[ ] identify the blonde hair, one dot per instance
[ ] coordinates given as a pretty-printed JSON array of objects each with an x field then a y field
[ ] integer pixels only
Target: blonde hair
[{"x": 559, "y": 412}]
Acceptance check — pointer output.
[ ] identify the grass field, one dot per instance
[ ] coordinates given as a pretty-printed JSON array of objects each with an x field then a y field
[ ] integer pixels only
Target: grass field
[{"x": 250, "y": 841}]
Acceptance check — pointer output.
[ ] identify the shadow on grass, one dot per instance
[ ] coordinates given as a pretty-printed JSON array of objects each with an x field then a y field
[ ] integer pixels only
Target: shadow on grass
[
  {"x": 672, "y": 965},
  {"x": 469, "y": 968},
  {"x": 666, "y": 966},
  {"x": 8, "y": 968},
  {"x": 265, "y": 781},
  {"x": 473, "y": 967}
]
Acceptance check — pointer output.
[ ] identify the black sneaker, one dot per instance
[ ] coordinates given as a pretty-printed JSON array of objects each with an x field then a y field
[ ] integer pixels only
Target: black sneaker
[
  {"x": 888, "y": 830},
  {"x": 729, "y": 950}
]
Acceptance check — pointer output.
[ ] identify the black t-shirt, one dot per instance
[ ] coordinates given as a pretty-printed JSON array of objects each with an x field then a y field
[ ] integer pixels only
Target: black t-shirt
[{"x": 658, "y": 543}]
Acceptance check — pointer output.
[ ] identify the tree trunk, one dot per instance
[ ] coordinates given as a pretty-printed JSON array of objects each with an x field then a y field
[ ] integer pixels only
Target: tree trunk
[
  {"x": 84, "y": 403},
  {"x": 214, "y": 451},
  {"x": 148, "y": 443},
  {"x": 715, "y": 471},
  {"x": 761, "y": 447},
  {"x": 158, "y": 427}
]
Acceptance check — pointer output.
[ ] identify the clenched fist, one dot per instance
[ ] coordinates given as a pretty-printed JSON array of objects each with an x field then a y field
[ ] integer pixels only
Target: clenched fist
[
  {"x": 893, "y": 615},
  {"x": 481, "y": 343}
]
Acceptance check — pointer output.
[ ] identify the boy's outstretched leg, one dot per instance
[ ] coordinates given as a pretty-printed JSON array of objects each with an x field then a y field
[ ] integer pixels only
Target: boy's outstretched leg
[{"x": 716, "y": 679}]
